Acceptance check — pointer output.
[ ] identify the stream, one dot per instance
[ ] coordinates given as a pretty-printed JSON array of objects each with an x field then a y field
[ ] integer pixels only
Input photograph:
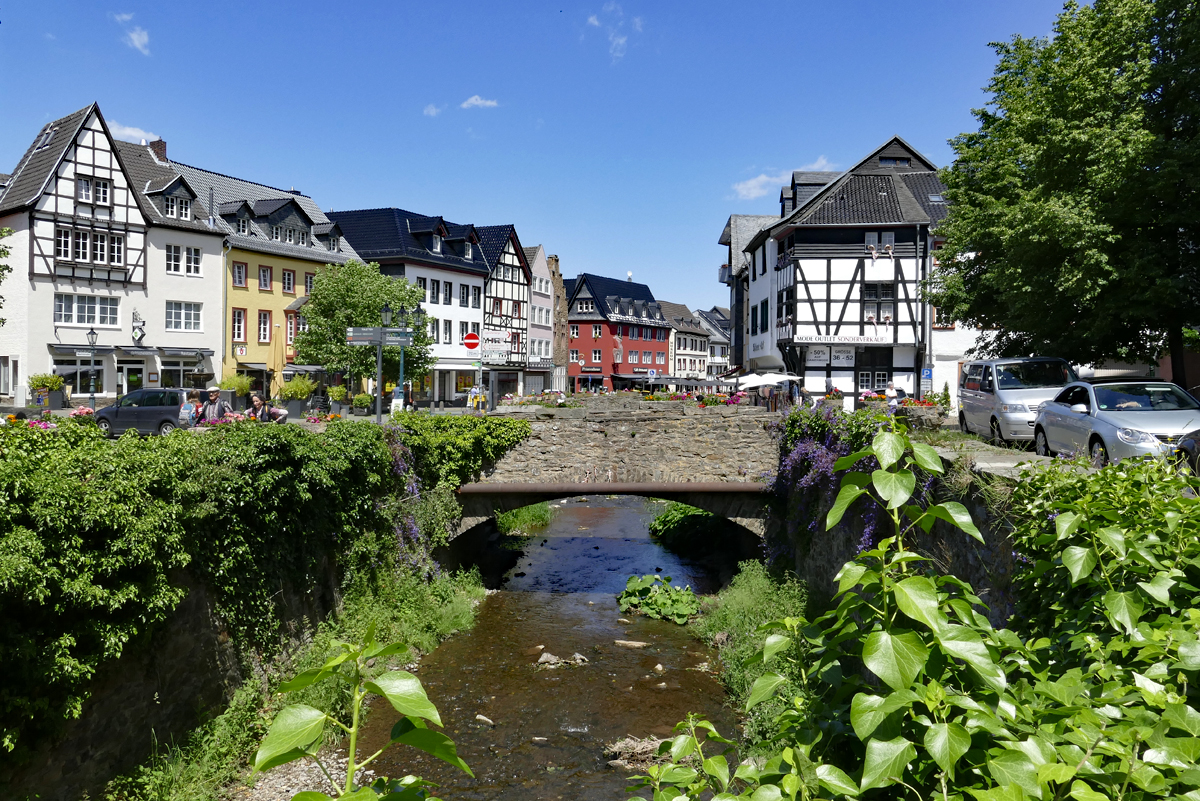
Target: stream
[{"x": 561, "y": 595}]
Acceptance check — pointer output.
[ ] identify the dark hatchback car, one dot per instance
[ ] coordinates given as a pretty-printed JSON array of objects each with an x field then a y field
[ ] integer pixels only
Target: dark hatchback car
[{"x": 148, "y": 411}]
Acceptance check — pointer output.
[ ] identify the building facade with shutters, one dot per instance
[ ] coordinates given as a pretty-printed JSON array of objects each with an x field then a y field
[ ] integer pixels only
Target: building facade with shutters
[
  {"x": 617, "y": 334},
  {"x": 539, "y": 373},
  {"x": 716, "y": 322},
  {"x": 94, "y": 249},
  {"x": 687, "y": 356},
  {"x": 446, "y": 262}
]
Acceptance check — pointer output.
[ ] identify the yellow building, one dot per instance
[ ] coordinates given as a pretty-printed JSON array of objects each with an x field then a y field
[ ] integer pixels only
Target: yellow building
[{"x": 277, "y": 241}]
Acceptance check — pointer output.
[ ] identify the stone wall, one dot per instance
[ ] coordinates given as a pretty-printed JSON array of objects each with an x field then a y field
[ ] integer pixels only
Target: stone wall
[
  {"x": 645, "y": 441},
  {"x": 181, "y": 674}
]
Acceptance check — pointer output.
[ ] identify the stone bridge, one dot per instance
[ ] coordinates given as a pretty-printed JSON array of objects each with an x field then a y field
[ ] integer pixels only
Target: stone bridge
[{"x": 716, "y": 459}]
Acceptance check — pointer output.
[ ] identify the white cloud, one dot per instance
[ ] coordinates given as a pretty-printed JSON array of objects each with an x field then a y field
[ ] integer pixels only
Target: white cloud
[
  {"x": 122, "y": 18},
  {"x": 130, "y": 133},
  {"x": 138, "y": 39},
  {"x": 594, "y": 21},
  {"x": 432, "y": 111},
  {"x": 51, "y": 37},
  {"x": 637, "y": 24},
  {"x": 763, "y": 184},
  {"x": 616, "y": 44},
  {"x": 612, "y": 7},
  {"x": 475, "y": 101},
  {"x": 612, "y": 20}
]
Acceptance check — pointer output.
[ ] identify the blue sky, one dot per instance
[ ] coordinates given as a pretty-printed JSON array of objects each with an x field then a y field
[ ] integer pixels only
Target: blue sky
[{"x": 620, "y": 135}]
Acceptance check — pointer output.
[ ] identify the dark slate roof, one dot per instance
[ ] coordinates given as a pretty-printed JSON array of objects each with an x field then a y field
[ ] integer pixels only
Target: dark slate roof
[
  {"x": 460, "y": 233},
  {"x": 297, "y": 303},
  {"x": 321, "y": 229},
  {"x": 38, "y": 164},
  {"x": 682, "y": 318},
  {"x": 813, "y": 177},
  {"x": 740, "y": 229},
  {"x": 858, "y": 199},
  {"x": 922, "y": 185},
  {"x": 718, "y": 323},
  {"x": 568, "y": 287},
  {"x": 4, "y": 178},
  {"x": 531, "y": 254},
  {"x": 389, "y": 234},
  {"x": 622, "y": 301},
  {"x": 267, "y": 206},
  {"x": 493, "y": 238},
  {"x": 148, "y": 175}
]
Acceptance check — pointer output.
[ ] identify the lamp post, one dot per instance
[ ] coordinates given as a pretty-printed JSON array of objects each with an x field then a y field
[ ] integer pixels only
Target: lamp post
[
  {"x": 91, "y": 338},
  {"x": 386, "y": 315}
]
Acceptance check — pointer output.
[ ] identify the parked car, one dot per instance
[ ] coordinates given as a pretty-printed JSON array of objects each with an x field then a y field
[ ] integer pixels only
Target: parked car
[
  {"x": 1115, "y": 419},
  {"x": 149, "y": 411},
  {"x": 999, "y": 398}
]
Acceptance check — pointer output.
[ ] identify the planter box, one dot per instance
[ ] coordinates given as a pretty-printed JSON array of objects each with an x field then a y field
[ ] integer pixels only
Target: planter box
[
  {"x": 56, "y": 399},
  {"x": 335, "y": 408},
  {"x": 360, "y": 412},
  {"x": 295, "y": 410},
  {"x": 921, "y": 417}
]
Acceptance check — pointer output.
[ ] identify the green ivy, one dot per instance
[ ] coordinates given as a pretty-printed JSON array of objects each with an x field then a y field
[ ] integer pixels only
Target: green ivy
[{"x": 454, "y": 449}]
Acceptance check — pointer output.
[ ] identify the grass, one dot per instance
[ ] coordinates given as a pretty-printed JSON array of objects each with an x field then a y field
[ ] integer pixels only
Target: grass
[
  {"x": 730, "y": 621},
  {"x": 404, "y": 609},
  {"x": 525, "y": 520}
]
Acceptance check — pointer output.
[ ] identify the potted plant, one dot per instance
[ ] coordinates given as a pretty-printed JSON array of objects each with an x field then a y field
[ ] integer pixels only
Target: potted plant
[
  {"x": 295, "y": 394},
  {"x": 49, "y": 385},
  {"x": 337, "y": 398},
  {"x": 239, "y": 385},
  {"x": 362, "y": 403}
]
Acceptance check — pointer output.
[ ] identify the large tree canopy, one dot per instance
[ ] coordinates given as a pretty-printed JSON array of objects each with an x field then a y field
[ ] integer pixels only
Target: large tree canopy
[
  {"x": 352, "y": 295},
  {"x": 1057, "y": 240}
]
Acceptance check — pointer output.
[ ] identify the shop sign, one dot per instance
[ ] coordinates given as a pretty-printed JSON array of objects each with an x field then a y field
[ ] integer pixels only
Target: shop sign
[
  {"x": 818, "y": 356},
  {"x": 590, "y": 369},
  {"x": 641, "y": 369},
  {"x": 838, "y": 339},
  {"x": 240, "y": 350},
  {"x": 842, "y": 357}
]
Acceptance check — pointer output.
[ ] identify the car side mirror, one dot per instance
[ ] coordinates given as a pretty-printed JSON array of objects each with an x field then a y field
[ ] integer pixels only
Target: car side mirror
[{"x": 1081, "y": 408}]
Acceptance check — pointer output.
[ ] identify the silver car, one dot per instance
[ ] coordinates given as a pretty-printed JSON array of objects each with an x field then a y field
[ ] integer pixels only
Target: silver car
[
  {"x": 999, "y": 398},
  {"x": 1115, "y": 420}
]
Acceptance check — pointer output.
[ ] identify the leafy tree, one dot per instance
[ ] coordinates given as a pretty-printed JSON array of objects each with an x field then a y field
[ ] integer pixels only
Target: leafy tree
[
  {"x": 351, "y": 295},
  {"x": 1045, "y": 249},
  {"x": 4, "y": 268}
]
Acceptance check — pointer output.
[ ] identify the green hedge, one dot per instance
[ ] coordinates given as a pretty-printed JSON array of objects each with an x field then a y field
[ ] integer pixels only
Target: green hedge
[
  {"x": 90, "y": 530},
  {"x": 453, "y": 448}
]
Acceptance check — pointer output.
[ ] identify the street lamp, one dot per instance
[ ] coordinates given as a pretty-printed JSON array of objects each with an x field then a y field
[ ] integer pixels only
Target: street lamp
[
  {"x": 386, "y": 315},
  {"x": 91, "y": 338}
]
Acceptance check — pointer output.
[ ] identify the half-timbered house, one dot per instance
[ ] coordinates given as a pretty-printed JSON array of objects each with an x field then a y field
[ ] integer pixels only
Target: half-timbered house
[
  {"x": 78, "y": 254},
  {"x": 834, "y": 284},
  {"x": 505, "y": 309},
  {"x": 447, "y": 264}
]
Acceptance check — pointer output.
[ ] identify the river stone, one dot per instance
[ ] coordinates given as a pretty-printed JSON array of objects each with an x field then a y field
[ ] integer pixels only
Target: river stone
[
  {"x": 623, "y": 620},
  {"x": 482, "y": 719},
  {"x": 659, "y": 668},
  {"x": 578, "y": 658},
  {"x": 548, "y": 658},
  {"x": 631, "y": 644}
]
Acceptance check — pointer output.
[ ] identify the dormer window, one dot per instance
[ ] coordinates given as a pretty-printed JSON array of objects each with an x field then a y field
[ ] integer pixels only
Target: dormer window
[
  {"x": 436, "y": 245},
  {"x": 303, "y": 239},
  {"x": 277, "y": 232},
  {"x": 170, "y": 207},
  {"x": 333, "y": 243},
  {"x": 185, "y": 209},
  {"x": 872, "y": 240},
  {"x": 885, "y": 161},
  {"x": 290, "y": 236},
  {"x": 243, "y": 226},
  {"x": 889, "y": 239},
  {"x": 467, "y": 251}
]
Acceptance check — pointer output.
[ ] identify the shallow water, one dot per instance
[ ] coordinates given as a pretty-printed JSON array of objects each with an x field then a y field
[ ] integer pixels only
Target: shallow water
[{"x": 561, "y": 595}]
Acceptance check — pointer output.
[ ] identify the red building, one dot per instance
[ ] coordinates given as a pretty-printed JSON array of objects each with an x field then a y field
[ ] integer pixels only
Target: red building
[{"x": 617, "y": 334}]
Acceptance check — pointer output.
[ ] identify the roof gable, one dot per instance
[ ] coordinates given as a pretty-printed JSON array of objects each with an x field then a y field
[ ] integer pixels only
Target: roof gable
[
  {"x": 392, "y": 233},
  {"x": 41, "y": 160}
]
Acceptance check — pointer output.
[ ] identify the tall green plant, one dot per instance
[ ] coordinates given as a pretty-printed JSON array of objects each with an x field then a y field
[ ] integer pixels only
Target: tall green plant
[{"x": 299, "y": 729}]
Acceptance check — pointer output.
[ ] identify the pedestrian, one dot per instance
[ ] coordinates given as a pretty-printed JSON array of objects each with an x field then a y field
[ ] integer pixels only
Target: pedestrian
[
  {"x": 892, "y": 397},
  {"x": 214, "y": 408},
  {"x": 193, "y": 399},
  {"x": 828, "y": 385},
  {"x": 263, "y": 412}
]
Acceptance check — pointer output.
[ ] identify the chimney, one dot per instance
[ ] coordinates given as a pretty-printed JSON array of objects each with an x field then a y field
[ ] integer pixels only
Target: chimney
[
  {"x": 629, "y": 276},
  {"x": 159, "y": 148}
]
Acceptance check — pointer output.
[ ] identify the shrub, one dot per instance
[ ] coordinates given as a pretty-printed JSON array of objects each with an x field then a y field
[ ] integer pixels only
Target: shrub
[
  {"x": 525, "y": 520},
  {"x": 337, "y": 393},
  {"x": 690, "y": 531},
  {"x": 299, "y": 388},
  {"x": 363, "y": 401},
  {"x": 653, "y": 596},
  {"x": 454, "y": 449},
  {"x": 49, "y": 381},
  {"x": 237, "y": 383}
]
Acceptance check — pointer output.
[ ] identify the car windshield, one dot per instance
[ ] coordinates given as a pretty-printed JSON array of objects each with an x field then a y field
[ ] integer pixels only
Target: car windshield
[
  {"x": 1034, "y": 375},
  {"x": 1143, "y": 398}
]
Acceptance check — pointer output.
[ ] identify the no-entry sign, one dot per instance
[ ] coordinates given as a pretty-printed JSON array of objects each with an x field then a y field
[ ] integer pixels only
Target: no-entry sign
[{"x": 471, "y": 341}]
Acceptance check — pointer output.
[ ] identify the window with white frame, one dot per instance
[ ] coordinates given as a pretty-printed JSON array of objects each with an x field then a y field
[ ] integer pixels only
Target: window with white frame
[
  {"x": 85, "y": 309},
  {"x": 596, "y": 356},
  {"x": 62, "y": 243},
  {"x": 476, "y": 294},
  {"x": 107, "y": 311},
  {"x": 264, "y": 277},
  {"x": 185, "y": 209},
  {"x": 574, "y": 332},
  {"x": 301, "y": 323},
  {"x": 83, "y": 190},
  {"x": 447, "y": 293},
  {"x": 99, "y": 248},
  {"x": 597, "y": 331},
  {"x": 434, "y": 330},
  {"x": 277, "y": 232},
  {"x": 239, "y": 274},
  {"x": 243, "y": 225},
  {"x": 64, "y": 308},
  {"x": 585, "y": 305},
  {"x": 83, "y": 241},
  {"x": 116, "y": 249},
  {"x": 264, "y": 326},
  {"x": 290, "y": 236},
  {"x": 174, "y": 259},
  {"x": 303, "y": 238},
  {"x": 291, "y": 329},
  {"x": 464, "y": 295},
  {"x": 633, "y": 357},
  {"x": 308, "y": 282},
  {"x": 660, "y": 357},
  {"x": 646, "y": 357},
  {"x": 447, "y": 331},
  {"x": 424, "y": 289},
  {"x": 436, "y": 245},
  {"x": 289, "y": 281},
  {"x": 462, "y": 332},
  {"x": 333, "y": 242},
  {"x": 238, "y": 326},
  {"x": 475, "y": 328},
  {"x": 100, "y": 192},
  {"x": 193, "y": 261},
  {"x": 435, "y": 291},
  {"x": 169, "y": 207},
  {"x": 183, "y": 316},
  {"x": 574, "y": 356}
]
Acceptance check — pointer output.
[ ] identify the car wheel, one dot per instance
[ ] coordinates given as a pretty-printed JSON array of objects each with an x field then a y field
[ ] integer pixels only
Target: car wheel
[
  {"x": 166, "y": 428},
  {"x": 997, "y": 434},
  {"x": 104, "y": 426},
  {"x": 1040, "y": 444},
  {"x": 1098, "y": 453},
  {"x": 962, "y": 423}
]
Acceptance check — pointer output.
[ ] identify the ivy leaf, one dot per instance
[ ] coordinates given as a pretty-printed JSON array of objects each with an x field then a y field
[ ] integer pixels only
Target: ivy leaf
[
  {"x": 1014, "y": 767},
  {"x": 1056, "y": 772},
  {"x": 1066, "y": 524},
  {"x": 764, "y": 687},
  {"x": 894, "y": 657},
  {"x": 1123, "y": 609},
  {"x": 1114, "y": 538},
  {"x": 1081, "y": 792},
  {"x": 962, "y": 643},
  {"x": 888, "y": 448},
  {"x": 1182, "y": 716},
  {"x": 774, "y": 644},
  {"x": 412, "y": 731},
  {"x": 836, "y": 781},
  {"x": 1159, "y": 588},
  {"x": 956, "y": 514},
  {"x": 293, "y": 732},
  {"x": 1079, "y": 561},
  {"x": 868, "y": 711},
  {"x": 405, "y": 693},
  {"x": 846, "y": 496},
  {"x": 895, "y": 488},
  {"x": 927, "y": 457},
  {"x": 917, "y": 598},
  {"x": 946, "y": 743},
  {"x": 1189, "y": 655},
  {"x": 885, "y": 762}
]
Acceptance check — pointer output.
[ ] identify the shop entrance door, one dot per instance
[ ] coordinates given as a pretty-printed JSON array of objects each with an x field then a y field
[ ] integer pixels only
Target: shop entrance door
[
  {"x": 873, "y": 370},
  {"x": 130, "y": 376}
]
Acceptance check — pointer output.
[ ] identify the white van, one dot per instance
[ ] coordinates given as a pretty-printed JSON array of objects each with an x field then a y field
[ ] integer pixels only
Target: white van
[{"x": 999, "y": 398}]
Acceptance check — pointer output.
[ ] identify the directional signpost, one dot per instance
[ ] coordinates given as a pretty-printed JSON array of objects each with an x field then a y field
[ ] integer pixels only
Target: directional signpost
[
  {"x": 380, "y": 338},
  {"x": 926, "y": 380}
]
